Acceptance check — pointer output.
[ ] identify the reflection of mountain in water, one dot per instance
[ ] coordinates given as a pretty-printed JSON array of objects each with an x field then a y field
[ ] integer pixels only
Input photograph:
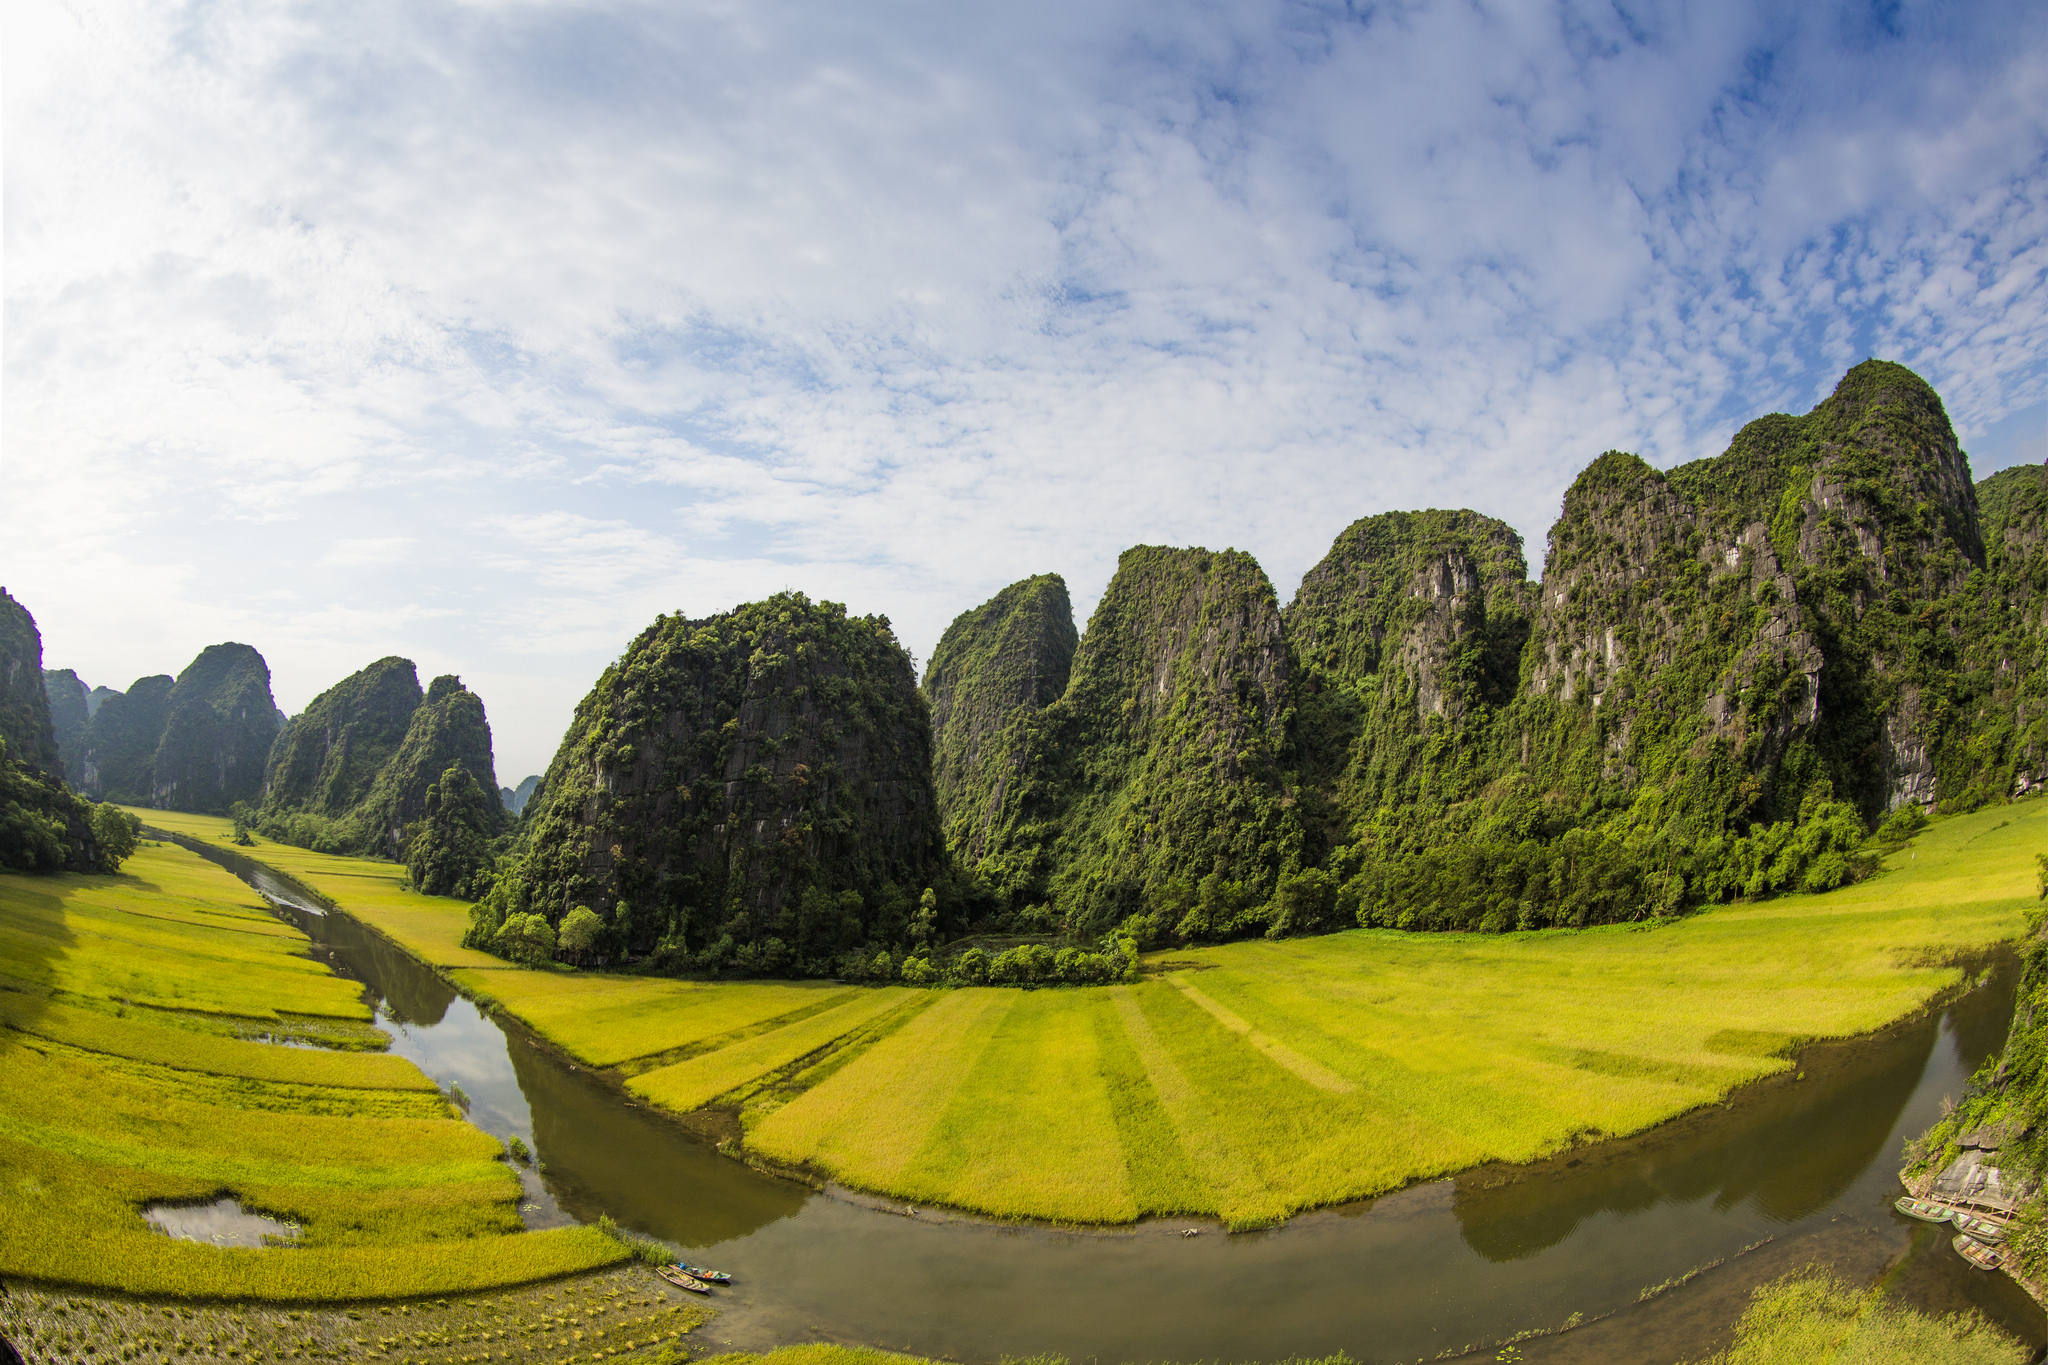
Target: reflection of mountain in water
[
  {"x": 1789, "y": 1150},
  {"x": 641, "y": 1168}
]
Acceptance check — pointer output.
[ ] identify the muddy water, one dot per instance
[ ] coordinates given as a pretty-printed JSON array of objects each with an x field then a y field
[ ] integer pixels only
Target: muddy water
[{"x": 1794, "y": 1171}]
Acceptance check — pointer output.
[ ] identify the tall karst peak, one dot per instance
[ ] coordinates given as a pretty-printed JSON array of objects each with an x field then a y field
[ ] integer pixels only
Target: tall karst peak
[
  {"x": 219, "y": 722},
  {"x": 24, "y": 706},
  {"x": 326, "y": 757},
  {"x": 997, "y": 665},
  {"x": 749, "y": 791}
]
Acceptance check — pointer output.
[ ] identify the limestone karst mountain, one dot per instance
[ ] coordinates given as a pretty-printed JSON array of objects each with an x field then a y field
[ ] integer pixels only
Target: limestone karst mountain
[
  {"x": 749, "y": 791},
  {"x": 219, "y": 723},
  {"x": 71, "y": 706},
  {"x": 326, "y": 757}
]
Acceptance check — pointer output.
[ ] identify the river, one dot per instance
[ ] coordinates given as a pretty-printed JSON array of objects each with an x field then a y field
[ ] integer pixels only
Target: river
[{"x": 1792, "y": 1171}]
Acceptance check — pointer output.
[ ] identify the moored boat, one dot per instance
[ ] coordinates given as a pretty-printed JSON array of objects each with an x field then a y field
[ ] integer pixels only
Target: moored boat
[
  {"x": 1926, "y": 1210},
  {"x": 708, "y": 1276},
  {"x": 1986, "y": 1230},
  {"x": 697, "y": 1286},
  {"x": 1977, "y": 1254}
]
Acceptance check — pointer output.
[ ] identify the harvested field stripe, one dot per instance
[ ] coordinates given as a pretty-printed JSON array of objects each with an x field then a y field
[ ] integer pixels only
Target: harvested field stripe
[
  {"x": 1240, "y": 1194},
  {"x": 1040, "y": 1072},
  {"x": 1157, "y": 1165},
  {"x": 145, "y": 1040},
  {"x": 1315, "y": 1073},
  {"x": 840, "y": 1124},
  {"x": 699, "y": 1080}
]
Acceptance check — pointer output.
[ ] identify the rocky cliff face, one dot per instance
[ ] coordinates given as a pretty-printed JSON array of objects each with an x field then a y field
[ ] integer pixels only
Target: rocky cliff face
[
  {"x": 1159, "y": 768},
  {"x": 514, "y": 799},
  {"x": 70, "y": 708},
  {"x": 995, "y": 668},
  {"x": 219, "y": 722},
  {"x": 748, "y": 792},
  {"x": 448, "y": 730},
  {"x": 1409, "y": 636},
  {"x": 44, "y": 826},
  {"x": 2000, "y": 698},
  {"x": 118, "y": 758},
  {"x": 24, "y": 709},
  {"x": 326, "y": 758}
]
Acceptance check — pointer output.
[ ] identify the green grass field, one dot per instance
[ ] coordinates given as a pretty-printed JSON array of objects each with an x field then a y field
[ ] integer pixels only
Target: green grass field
[
  {"x": 129, "y": 1074},
  {"x": 1256, "y": 1079},
  {"x": 1811, "y": 1318}
]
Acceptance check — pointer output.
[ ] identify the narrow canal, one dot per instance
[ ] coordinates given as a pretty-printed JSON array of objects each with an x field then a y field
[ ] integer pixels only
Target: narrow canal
[{"x": 1791, "y": 1173}]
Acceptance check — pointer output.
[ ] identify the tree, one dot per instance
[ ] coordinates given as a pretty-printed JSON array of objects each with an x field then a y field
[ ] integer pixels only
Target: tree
[
  {"x": 527, "y": 938},
  {"x": 116, "y": 831},
  {"x": 579, "y": 932}
]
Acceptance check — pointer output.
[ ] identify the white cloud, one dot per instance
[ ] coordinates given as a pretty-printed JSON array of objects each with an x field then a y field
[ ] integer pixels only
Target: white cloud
[{"x": 483, "y": 333}]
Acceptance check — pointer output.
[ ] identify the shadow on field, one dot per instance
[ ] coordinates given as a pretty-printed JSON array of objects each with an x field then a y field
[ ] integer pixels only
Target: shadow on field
[
  {"x": 33, "y": 939},
  {"x": 1776, "y": 1144}
]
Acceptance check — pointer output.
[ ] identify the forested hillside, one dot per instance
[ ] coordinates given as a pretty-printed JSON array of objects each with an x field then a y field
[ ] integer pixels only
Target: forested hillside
[
  {"x": 1728, "y": 676},
  {"x": 747, "y": 792},
  {"x": 44, "y": 825},
  {"x": 1740, "y": 677}
]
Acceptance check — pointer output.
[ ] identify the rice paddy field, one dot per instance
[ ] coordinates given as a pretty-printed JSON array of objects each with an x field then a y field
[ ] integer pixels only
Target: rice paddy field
[
  {"x": 621, "y": 1314},
  {"x": 1252, "y": 1080},
  {"x": 143, "y": 1028}
]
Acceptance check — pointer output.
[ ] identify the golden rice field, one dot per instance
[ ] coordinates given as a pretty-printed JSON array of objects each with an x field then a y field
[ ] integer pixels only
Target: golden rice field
[
  {"x": 1252, "y": 1080},
  {"x": 130, "y": 1073}
]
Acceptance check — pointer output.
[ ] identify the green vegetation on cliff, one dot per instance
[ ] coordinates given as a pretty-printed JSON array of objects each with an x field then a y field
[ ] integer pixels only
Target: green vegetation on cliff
[
  {"x": 24, "y": 708},
  {"x": 219, "y": 722},
  {"x": 749, "y": 792},
  {"x": 448, "y": 730},
  {"x": 1730, "y": 672},
  {"x": 327, "y": 756},
  {"x": 44, "y": 825},
  {"x": 70, "y": 708},
  {"x": 1153, "y": 786},
  {"x": 995, "y": 668},
  {"x": 120, "y": 742}
]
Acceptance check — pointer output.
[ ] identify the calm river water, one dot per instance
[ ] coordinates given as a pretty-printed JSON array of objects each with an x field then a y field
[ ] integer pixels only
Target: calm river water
[{"x": 1805, "y": 1168}]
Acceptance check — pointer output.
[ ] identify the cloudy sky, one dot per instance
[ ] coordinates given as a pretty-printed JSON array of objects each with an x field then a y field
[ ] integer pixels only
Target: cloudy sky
[{"x": 482, "y": 333}]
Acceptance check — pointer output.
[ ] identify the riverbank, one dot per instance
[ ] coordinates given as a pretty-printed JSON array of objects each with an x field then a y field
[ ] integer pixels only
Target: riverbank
[
  {"x": 155, "y": 1053},
  {"x": 1251, "y": 1081}
]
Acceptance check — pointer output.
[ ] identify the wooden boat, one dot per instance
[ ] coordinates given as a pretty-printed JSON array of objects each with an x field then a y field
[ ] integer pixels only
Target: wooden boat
[
  {"x": 1926, "y": 1210},
  {"x": 1977, "y": 1254},
  {"x": 1986, "y": 1230},
  {"x": 708, "y": 1276},
  {"x": 697, "y": 1286}
]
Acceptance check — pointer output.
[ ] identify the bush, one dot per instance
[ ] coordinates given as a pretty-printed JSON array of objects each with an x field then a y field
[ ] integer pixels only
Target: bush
[
  {"x": 918, "y": 971},
  {"x": 971, "y": 967},
  {"x": 116, "y": 830},
  {"x": 527, "y": 938},
  {"x": 579, "y": 932}
]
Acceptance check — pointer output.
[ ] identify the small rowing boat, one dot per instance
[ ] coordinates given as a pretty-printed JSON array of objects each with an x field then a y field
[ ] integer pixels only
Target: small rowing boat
[
  {"x": 708, "y": 1276},
  {"x": 697, "y": 1286},
  {"x": 1926, "y": 1210},
  {"x": 1986, "y": 1230},
  {"x": 1977, "y": 1254}
]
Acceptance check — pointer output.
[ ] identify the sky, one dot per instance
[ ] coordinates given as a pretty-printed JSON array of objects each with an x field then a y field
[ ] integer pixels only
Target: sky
[{"x": 482, "y": 333}]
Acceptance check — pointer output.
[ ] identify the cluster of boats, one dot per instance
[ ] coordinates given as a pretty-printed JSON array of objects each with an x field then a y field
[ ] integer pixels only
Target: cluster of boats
[
  {"x": 1981, "y": 1239},
  {"x": 696, "y": 1279}
]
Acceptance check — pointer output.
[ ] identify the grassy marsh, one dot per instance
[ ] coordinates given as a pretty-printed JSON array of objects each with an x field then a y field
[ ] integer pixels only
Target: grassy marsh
[{"x": 1255, "y": 1079}]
